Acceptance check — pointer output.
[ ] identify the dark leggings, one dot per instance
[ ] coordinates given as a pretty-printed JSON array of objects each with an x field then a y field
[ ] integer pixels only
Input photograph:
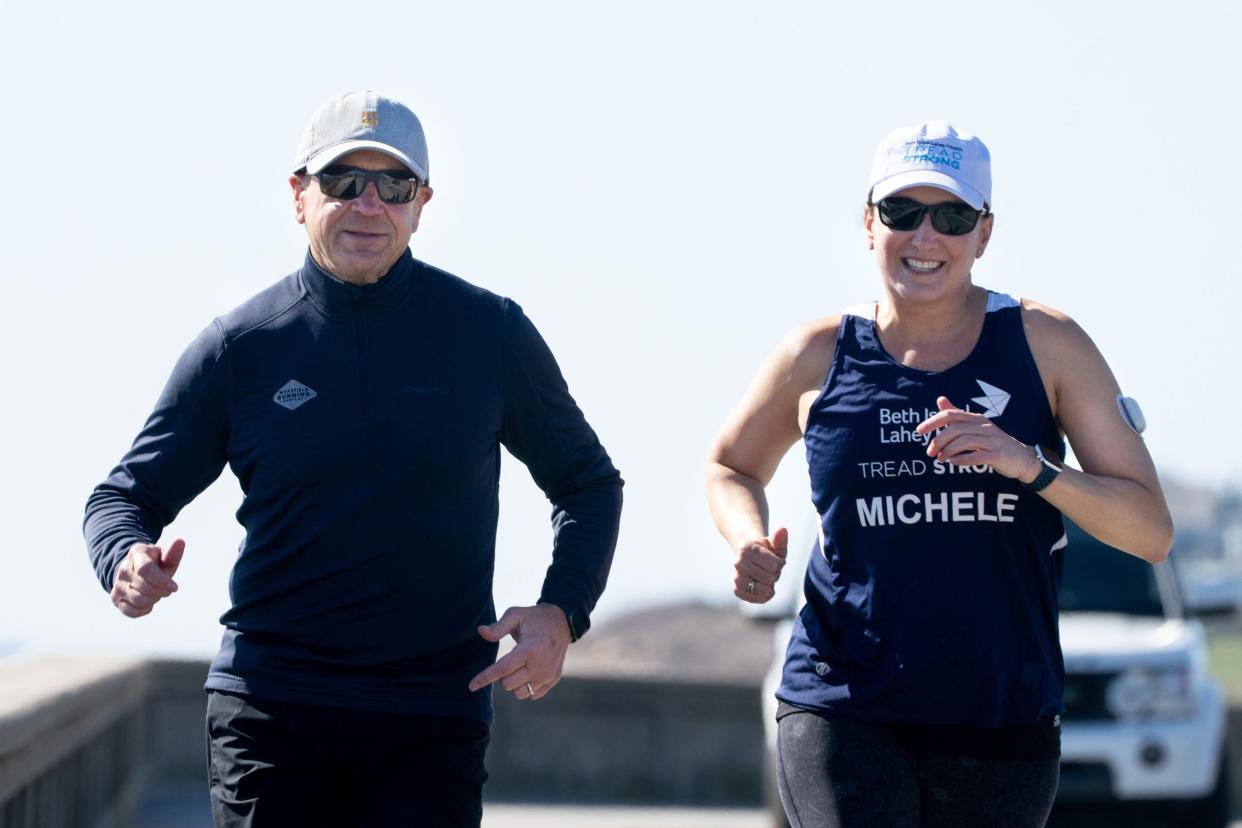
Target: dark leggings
[{"x": 841, "y": 774}]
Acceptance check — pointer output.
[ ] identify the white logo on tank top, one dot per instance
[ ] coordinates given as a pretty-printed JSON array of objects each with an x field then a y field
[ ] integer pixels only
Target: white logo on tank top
[{"x": 993, "y": 400}]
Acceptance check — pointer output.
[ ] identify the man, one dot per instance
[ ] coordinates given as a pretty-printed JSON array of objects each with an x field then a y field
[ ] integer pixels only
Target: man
[{"x": 362, "y": 401}]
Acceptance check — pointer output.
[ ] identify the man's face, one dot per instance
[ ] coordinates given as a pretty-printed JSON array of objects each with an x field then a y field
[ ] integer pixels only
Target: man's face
[{"x": 359, "y": 239}]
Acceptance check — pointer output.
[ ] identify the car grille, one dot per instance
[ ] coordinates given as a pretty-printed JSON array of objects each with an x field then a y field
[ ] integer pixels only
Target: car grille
[
  {"x": 1084, "y": 781},
  {"x": 1085, "y": 696}
]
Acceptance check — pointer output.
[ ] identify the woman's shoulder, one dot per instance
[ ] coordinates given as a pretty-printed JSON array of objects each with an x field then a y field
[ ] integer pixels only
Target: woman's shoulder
[
  {"x": 820, "y": 334},
  {"x": 812, "y": 343},
  {"x": 1052, "y": 330},
  {"x": 816, "y": 333},
  {"x": 809, "y": 349},
  {"x": 1066, "y": 357}
]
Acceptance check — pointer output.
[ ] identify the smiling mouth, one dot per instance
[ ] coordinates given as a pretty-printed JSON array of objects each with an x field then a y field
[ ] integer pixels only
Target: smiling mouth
[{"x": 922, "y": 265}]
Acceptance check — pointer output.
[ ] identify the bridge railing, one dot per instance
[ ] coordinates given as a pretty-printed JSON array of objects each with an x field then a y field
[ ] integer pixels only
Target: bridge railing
[
  {"x": 73, "y": 733},
  {"x": 82, "y": 740}
]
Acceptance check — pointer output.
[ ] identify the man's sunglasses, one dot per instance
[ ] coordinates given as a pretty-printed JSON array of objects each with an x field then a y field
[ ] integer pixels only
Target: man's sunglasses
[
  {"x": 952, "y": 218},
  {"x": 345, "y": 183}
]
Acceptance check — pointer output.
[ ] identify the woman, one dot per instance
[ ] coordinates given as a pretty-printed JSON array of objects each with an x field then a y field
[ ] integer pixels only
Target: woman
[{"x": 922, "y": 683}]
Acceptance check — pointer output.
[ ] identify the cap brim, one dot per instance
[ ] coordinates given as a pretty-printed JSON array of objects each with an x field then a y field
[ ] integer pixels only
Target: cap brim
[
  {"x": 327, "y": 156},
  {"x": 927, "y": 178}
]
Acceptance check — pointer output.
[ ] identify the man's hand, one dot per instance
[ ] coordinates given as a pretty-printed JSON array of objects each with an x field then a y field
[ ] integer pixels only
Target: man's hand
[
  {"x": 758, "y": 567},
  {"x": 965, "y": 439},
  {"x": 533, "y": 667},
  {"x": 145, "y": 576}
]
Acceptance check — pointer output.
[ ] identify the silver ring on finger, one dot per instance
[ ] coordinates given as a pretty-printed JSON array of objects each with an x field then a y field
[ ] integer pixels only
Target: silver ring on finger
[
  {"x": 530, "y": 689},
  {"x": 750, "y": 586}
]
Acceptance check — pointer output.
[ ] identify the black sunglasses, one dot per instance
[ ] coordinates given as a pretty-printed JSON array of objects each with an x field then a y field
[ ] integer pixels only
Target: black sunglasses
[
  {"x": 952, "y": 218},
  {"x": 345, "y": 183}
]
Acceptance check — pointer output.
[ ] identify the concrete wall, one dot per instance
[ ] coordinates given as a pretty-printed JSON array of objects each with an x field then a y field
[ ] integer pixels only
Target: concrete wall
[
  {"x": 83, "y": 739},
  {"x": 72, "y": 740},
  {"x": 627, "y": 740},
  {"x": 80, "y": 739},
  {"x": 591, "y": 740}
]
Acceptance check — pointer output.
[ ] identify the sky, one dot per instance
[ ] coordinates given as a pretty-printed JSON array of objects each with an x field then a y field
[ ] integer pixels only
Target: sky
[{"x": 665, "y": 187}]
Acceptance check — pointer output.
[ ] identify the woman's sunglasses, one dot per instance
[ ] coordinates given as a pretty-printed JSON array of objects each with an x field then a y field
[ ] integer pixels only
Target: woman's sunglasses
[
  {"x": 952, "y": 218},
  {"x": 345, "y": 183}
]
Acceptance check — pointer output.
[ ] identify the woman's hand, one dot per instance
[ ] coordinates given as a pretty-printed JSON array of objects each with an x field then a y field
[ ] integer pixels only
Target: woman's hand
[
  {"x": 966, "y": 439},
  {"x": 758, "y": 567}
]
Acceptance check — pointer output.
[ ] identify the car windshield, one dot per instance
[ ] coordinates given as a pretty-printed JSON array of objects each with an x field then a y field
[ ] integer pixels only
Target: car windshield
[{"x": 1100, "y": 578}]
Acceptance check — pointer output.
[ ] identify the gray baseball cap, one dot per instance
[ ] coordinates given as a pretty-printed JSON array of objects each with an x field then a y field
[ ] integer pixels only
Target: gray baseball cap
[{"x": 363, "y": 120}]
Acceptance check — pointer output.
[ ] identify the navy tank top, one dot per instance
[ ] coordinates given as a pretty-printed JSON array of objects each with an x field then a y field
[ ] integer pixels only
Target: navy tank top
[{"x": 932, "y": 597}]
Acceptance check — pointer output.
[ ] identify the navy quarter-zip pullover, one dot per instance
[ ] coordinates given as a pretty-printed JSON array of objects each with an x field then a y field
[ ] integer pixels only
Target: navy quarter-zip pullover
[{"x": 364, "y": 424}]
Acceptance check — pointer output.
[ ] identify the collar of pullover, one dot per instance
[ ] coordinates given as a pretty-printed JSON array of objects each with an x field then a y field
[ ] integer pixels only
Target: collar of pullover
[{"x": 342, "y": 300}]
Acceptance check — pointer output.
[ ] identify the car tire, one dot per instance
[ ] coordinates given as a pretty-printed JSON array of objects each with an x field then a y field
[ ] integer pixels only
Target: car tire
[{"x": 1212, "y": 811}]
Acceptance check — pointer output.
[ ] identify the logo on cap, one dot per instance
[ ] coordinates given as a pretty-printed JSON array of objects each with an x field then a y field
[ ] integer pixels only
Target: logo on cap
[
  {"x": 933, "y": 152},
  {"x": 370, "y": 117}
]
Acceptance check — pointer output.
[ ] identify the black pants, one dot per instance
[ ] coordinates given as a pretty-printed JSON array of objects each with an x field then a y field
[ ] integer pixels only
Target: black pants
[
  {"x": 841, "y": 774},
  {"x": 281, "y": 764}
]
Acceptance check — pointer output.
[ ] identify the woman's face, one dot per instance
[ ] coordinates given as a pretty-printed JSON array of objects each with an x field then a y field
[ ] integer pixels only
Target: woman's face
[{"x": 922, "y": 264}]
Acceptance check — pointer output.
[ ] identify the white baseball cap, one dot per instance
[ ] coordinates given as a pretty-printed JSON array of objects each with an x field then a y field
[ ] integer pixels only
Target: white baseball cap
[
  {"x": 933, "y": 154},
  {"x": 363, "y": 120}
]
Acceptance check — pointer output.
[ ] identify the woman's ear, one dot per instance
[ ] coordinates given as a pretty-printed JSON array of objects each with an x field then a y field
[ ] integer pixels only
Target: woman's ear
[{"x": 985, "y": 233}]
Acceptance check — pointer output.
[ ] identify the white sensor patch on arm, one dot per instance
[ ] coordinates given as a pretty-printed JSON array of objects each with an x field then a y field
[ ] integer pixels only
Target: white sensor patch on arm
[{"x": 1131, "y": 413}]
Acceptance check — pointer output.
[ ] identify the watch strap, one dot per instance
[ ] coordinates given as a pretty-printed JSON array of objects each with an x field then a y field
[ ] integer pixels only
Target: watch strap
[
  {"x": 1046, "y": 475},
  {"x": 1047, "y": 472},
  {"x": 578, "y": 621}
]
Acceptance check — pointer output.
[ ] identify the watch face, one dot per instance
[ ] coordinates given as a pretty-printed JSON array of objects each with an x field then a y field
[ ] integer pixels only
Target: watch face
[
  {"x": 1049, "y": 457},
  {"x": 575, "y": 625},
  {"x": 575, "y": 621}
]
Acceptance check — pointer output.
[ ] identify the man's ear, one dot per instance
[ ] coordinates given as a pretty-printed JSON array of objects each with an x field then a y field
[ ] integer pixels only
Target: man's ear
[
  {"x": 869, "y": 225},
  {"x": 298, "y": 184},
  {"x": 424, "y": 195}
]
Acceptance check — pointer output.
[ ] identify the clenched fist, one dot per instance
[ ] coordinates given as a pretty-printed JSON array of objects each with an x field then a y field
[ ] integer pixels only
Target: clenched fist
[
  {"x": 145, "y": 576},
  {"x": 758, "y": 566}
]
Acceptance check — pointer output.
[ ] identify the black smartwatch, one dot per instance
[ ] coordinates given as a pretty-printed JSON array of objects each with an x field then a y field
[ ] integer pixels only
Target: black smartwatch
[
  {"x": 1051, "y": 466},
  {"x": 578, "y": 622}
]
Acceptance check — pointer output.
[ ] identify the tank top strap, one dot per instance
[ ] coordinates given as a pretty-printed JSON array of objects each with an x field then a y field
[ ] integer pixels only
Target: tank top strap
[
  {"x": 1002, "y": 326},
  {"x": 1005, "y": 344},
  {"x": 857, "y": 335}
]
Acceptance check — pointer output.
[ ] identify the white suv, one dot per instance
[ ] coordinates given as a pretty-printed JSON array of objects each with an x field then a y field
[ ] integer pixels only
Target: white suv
[
  {"x": 1144, "y": 726},
  {"x": 1144, "y": 720}
]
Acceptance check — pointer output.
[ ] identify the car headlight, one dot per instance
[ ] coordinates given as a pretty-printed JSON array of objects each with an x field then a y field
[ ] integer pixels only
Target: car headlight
[{"x": 1151, "y": 693}]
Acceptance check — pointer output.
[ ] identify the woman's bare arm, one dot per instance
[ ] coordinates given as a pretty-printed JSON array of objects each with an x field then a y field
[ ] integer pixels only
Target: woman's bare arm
[
  {"x": 750, "y": 445},
  {"x": 1117, "y": 495}
]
